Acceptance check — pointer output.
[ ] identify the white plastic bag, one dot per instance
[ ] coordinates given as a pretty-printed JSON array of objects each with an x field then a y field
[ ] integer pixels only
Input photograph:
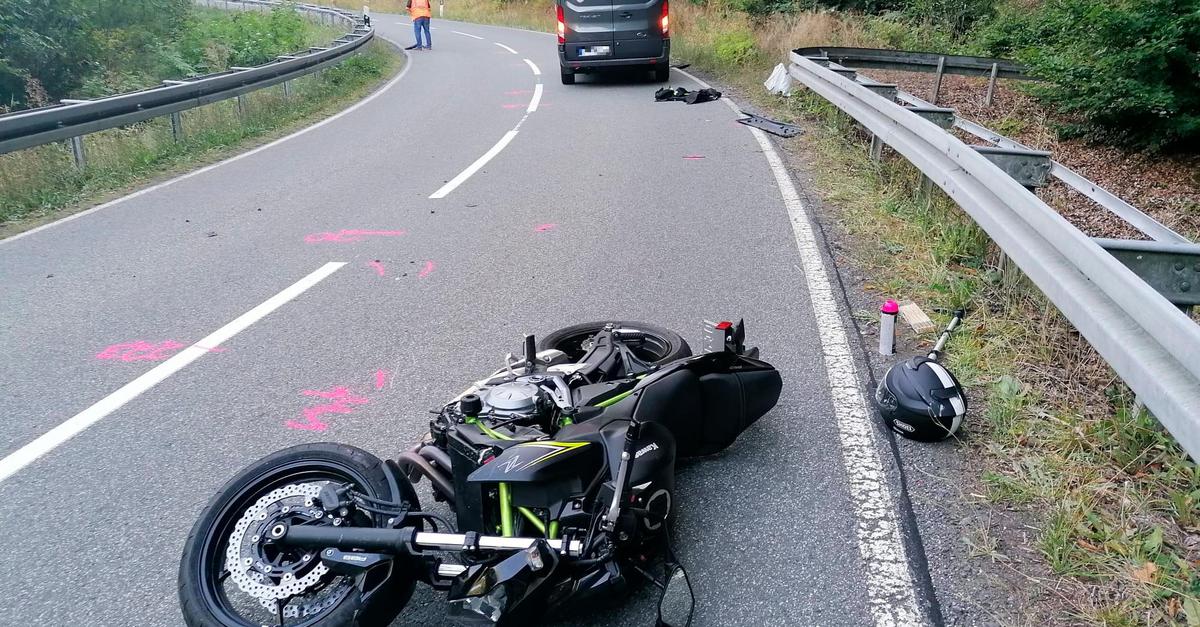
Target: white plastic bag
[{"x": 779, "y": 82}]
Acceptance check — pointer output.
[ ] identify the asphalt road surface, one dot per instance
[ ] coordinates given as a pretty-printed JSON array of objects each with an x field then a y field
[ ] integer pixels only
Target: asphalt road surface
[{"x": 596, "y": 203}]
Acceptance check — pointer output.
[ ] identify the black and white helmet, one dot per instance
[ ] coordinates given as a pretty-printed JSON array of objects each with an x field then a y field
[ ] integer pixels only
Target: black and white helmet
[{"x": 921, "y": 400}]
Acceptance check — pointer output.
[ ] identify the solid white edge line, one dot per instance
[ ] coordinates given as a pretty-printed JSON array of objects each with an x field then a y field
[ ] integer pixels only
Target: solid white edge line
[
  {"x": 537, "y": 98},
  {"x": 474, "y": 167},
  {"x": 891, "y": 592},
  {"x": 466, "y": 34},
  {"x": 50, "y": 440},
  {"x": 505, "y": 47},
  {"x": 536, "y": 71},
  {"x": 379, "y": 92}
]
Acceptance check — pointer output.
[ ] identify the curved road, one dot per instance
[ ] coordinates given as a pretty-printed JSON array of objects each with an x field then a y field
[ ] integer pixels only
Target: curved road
[{"x": 322, "y": 262}]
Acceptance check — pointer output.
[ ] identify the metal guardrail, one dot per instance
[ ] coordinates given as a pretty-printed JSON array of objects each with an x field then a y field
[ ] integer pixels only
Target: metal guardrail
[
  {"x": 1152, "y": 345},
  {"x": 74, "y": 118},
  {"x": 880, "y": 59},
  {"x": 1127, "y": 212},
  {"x": 909, "y": 61}
]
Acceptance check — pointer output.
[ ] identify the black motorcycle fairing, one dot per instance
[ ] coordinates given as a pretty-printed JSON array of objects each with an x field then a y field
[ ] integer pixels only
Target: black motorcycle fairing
[
  {"x": 469, "y": 449},
  {"x": 586, "y": 396},
  {"x": 509, "y": 591},
  {"x": 541, "y": 461},
  {"x": 598, "y": 585},
  {"x": 707, "y": 401}
]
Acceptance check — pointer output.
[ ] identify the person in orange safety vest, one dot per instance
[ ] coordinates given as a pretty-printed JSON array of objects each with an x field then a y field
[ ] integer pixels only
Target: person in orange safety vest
[{"x": 420, "y": 11}]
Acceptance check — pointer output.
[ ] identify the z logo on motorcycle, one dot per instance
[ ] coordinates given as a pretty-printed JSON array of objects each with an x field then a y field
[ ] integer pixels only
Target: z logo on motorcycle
[
  {"x": 556, "y": 449},
  {"x": 511, "y": 464}
]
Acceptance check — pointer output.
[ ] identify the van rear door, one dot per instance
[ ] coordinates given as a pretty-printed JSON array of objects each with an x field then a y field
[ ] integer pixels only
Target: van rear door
[
  {"x": 637, "y": 30},
  {"x": 589, "y": 29}
]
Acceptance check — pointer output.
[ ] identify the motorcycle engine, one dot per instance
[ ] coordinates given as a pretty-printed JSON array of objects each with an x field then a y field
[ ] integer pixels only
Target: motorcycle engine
[{"x": 520, "y": 397}]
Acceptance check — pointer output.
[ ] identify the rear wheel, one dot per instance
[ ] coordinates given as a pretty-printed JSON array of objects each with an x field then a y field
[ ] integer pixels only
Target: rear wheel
[
  {"x": 660, "y": 346},
  {"x": 568, "y": 77},
  {"x": 662, "y": 74},
  {"x": 229, "y": 576}
]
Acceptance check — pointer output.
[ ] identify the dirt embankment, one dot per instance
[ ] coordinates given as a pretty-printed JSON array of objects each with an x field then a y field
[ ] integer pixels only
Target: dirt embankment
[{"x": 1167, "y": 187}]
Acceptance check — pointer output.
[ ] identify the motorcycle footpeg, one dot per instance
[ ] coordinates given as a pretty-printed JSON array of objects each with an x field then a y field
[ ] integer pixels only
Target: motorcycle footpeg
[{"x": 351, "y": 564}]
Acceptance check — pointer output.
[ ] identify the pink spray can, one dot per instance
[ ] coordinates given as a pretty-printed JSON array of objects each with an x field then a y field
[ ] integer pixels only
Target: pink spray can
[{"x": 887, "y": 327}]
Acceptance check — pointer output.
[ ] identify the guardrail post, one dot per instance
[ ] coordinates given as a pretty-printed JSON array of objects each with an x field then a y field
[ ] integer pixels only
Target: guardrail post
[
  {"x": 177, "y": 126},
  {"x": 1030, "y": 168},
  {"x": 77, "y": 151},
  {"x": 876, "y": 148},
  {"x": 1173, "y": 270},
  {"x": 926, "y": 189},
  {"x": 287, "y": 89},
  {"x": 241, "y": 106},
  {"x": 991, "y": 85},
  {"x": 937, "y": 80}
]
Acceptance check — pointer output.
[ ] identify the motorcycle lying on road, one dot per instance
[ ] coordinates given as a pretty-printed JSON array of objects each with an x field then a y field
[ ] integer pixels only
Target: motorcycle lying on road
[{"x": 559, "y": 467}]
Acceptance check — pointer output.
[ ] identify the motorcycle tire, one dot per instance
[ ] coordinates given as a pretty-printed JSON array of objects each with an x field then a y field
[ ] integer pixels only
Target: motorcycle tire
[
  {"x": 202, "y": 570},
  {"x": 661, "y": 345}
]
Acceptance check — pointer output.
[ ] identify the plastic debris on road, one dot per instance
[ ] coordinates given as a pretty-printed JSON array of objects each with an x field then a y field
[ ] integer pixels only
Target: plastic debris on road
[
  {"x": 779, "y": 82},
  {"x": 771, "y": 126},
  {"x": 666, "y": 94}
]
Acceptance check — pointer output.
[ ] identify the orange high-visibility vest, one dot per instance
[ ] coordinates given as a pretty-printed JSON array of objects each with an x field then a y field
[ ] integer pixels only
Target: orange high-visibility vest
[{"x": 420, "y": 8}]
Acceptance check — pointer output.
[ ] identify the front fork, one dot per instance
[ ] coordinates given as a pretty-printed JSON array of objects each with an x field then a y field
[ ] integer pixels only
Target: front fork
[{"x": 622, "y": 485}]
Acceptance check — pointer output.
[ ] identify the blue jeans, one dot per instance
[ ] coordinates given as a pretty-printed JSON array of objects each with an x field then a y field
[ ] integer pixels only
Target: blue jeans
[{"x": 422, "y": 24}]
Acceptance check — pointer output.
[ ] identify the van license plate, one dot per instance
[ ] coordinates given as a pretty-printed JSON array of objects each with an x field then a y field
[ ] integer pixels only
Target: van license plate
[{"x": 595, "y": 51}]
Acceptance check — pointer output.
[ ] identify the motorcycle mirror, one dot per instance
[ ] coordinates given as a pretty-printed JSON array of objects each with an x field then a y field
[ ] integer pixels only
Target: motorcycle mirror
[{"x": 676, "y": 603}]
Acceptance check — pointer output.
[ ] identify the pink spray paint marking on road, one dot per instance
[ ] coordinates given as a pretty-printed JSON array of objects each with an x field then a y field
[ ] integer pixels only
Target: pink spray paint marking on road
[
  {"x": 377, "y": 266},
  {"x": 381, "y": 377},
  {"x": 429, "y": 266},
  {"x": 518, "y": 92},
  {"x": 349, "y": 235},
  {"x": 693, "y": 157},
  {"x": 542, "y": 228},
  {"x": 140, "y": 350},
  {"x": 514, "y": 106},
  {"x": 342, "y": 403}
]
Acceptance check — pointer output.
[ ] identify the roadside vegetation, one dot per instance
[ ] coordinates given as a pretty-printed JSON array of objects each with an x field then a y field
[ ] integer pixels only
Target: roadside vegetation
[
  {"x": 133, "y": 45},
  {"x": 1114, "y": 501}
]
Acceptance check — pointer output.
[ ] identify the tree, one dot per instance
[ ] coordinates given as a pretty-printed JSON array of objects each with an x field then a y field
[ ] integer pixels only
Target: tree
[
  {"x": 45, "y": 45},
  {"x": 1126, "y": 68}
]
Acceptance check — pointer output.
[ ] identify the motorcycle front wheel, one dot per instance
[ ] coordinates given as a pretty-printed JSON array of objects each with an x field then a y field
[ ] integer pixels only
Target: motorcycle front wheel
[
  {"x": 230, "y": 577},
  {"x": 660, "y": 346}
]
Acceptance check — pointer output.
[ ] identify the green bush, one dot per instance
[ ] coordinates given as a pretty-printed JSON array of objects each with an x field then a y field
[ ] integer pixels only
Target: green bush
[
  {"x": 734, "y": 48},
  {"x": 90, "y": 48},
  {"x": 45, "y": 50},
  {"x": 898, "y": 31},
  {"x": 759, "y": 8},
  {"x": 958, "y": 16},
  {"x": 215, "y": 41},
  {"x": 1126, "y": 69}
]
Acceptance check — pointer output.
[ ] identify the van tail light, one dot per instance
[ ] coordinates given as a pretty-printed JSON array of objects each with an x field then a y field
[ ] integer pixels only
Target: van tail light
[
  {"x": 665, "y": 21},
  {"x": 562, "y": 26}
]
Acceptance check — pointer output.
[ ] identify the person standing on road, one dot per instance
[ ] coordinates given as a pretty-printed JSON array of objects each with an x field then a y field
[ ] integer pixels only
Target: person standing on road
[{"x": 420, "y": 11}]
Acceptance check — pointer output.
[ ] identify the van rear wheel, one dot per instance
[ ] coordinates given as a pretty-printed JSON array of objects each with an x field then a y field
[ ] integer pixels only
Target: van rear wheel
[
  {"x": 662, "y": 74},
  {"x": 568, "y": 77}
]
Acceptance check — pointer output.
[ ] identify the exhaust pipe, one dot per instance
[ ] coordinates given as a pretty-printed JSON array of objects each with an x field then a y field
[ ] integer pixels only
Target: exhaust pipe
[
  {"x": 412, "y": 463},
  {"x": 437, "y": 456}
]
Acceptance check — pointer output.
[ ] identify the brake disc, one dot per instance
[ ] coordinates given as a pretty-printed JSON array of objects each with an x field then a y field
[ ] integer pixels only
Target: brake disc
[{"x": 272, "y": 584}]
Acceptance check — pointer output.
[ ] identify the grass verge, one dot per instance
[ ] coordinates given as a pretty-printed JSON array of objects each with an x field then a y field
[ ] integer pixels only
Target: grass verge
[
  {"x": 1113, "y": 496},
  {"x": 1116, "y": 502},
  {"x": 42, "y": 183}
]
